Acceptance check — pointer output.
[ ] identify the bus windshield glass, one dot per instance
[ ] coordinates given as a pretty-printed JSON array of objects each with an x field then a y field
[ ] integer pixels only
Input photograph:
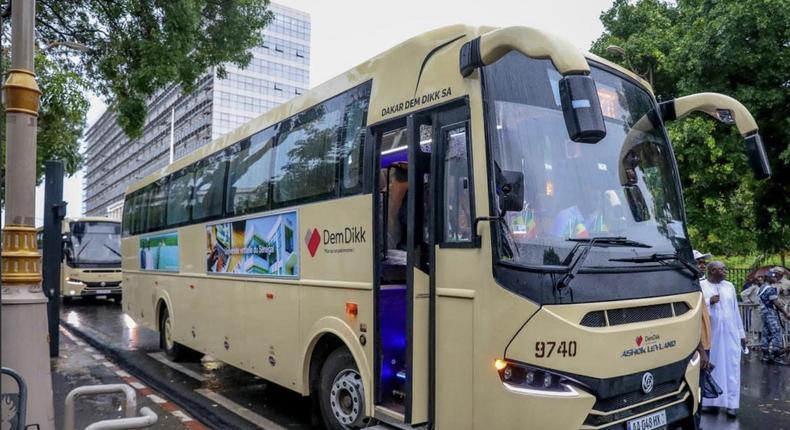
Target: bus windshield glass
[
  {"x": 623, "y": 186},
  {"x": 95, "y": 243}
]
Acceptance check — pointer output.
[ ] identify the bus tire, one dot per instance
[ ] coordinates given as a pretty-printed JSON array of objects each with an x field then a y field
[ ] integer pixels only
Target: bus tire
[
  {"x": 174, "y": 350},
  {"x": 341, "y": 392}
]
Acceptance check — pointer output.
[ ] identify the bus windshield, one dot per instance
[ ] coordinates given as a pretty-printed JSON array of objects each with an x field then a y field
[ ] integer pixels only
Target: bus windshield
[
  {"x": 95, "y": 243},
  {"x": 624, "y": 186}
]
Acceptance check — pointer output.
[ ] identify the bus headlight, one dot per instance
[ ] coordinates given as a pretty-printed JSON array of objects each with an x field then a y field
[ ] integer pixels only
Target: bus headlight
[
  {"x": 73, "y": 282},
  {"x": 524, "y": 379}
]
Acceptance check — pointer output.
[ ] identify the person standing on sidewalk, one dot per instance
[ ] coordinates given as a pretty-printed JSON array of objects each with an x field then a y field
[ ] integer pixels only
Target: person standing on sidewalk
[
  {"x": 772, "y": 346},
  {"x": 702, "y": 262},
  {"x": 729, "y": 338}
]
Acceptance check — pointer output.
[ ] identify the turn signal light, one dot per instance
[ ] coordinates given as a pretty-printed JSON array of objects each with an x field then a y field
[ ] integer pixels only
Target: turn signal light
[{"x": 500, "y": 364}]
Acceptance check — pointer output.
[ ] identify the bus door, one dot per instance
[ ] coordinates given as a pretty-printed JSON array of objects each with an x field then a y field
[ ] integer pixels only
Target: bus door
[{"x": 405, "y": 334}]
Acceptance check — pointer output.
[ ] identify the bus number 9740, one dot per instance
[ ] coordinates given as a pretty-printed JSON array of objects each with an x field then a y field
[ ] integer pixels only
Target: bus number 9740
[{"x": 563, "y": 348}]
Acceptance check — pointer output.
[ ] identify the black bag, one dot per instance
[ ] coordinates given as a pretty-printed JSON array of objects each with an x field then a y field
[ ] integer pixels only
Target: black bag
[{"x": 710, "y": 389}]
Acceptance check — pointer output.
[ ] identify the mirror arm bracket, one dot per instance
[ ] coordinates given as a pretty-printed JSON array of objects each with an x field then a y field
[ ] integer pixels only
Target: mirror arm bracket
[{"x": 477, "y": 240}]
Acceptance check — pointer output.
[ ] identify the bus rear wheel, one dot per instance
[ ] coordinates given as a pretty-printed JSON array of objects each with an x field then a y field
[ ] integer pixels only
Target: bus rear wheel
[
  {"x": 174, "y": 350},
  {"x": 341, "y": 392}
]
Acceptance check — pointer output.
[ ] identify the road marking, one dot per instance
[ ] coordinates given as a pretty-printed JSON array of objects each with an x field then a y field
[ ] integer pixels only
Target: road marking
[
  {"x": 181, "y": 416},
  {"x": 156, "y": 399},
  {"x": 89, "y": 349},
  {"x": 98, "y": 356},
  {"x": 107, "y": 364},
  {"x": 160, "y": 357},
  {"x": 122, "y": 374},
  {"x": 239, "y": 410},
  {"x": 137, "y": 385}
]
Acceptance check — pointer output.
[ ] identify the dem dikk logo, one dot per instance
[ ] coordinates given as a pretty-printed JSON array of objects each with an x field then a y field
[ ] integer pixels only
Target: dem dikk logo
[{"x": 312, "y": 239}]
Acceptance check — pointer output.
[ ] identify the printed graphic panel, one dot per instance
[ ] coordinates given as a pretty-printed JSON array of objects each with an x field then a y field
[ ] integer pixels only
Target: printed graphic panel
[
  {"x": 256, "y": 246},
  {"x": 159, "y": 252}
]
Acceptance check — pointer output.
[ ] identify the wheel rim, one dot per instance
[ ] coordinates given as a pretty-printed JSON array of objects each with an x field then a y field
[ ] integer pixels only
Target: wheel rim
[
  {"x": 346, "y": 397},
  {"x": 168, "y": 334}
]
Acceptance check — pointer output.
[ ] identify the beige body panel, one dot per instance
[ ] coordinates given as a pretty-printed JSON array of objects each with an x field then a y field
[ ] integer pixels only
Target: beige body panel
[
  {"x": 247, "y": 320},
  {"x": 533, "y": 43},
  {"x": 607, "y": 344}
]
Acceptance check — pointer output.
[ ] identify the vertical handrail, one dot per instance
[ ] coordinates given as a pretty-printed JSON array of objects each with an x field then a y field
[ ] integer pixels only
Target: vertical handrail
[{"x": 21, "y": 410}]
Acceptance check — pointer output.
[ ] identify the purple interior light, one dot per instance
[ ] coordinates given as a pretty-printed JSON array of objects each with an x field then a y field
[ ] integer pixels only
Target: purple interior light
[{"x": 400, "y": 156}]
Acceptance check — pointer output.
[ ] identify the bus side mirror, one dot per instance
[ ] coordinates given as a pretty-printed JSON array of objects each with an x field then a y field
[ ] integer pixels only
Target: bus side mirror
[
  {"x": 511, "y": 191},
  {"x": 728, "y": 111},
  {"x": 581, "y": 109},
  {"x": 758, "y": 159},
  {"x": 580, "y": 105},
  {"x": 65, "y": 246}
]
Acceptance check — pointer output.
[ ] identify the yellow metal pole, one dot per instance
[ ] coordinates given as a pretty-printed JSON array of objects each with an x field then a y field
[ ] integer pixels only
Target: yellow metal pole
[{"x": 24, "y": 306}]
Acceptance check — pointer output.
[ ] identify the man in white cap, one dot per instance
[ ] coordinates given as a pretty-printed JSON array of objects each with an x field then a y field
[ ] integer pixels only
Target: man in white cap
[{"x": 702, "y": 262}]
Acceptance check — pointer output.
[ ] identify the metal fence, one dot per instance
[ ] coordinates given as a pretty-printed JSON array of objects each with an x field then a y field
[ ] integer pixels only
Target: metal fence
[
  {"x": 737, "y": 275},
  {"x": 753, "y": 325}
]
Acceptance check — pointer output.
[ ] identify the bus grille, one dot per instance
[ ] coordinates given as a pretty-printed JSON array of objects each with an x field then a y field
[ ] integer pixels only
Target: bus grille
[
  {"x": 633, "y": 315},
  {"x": 101, "y": 270},
  {"x": 596, "y": 420},
  {"x": 99, "y": 286}
]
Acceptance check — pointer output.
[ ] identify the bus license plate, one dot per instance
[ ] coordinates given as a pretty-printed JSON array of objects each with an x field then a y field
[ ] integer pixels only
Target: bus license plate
[
  {"x": 103, "y": 291},
  {"x": 649, "y": 422}
]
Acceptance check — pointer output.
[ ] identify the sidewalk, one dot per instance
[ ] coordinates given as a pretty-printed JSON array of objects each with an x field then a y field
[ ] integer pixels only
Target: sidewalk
[{"x": 79, "y": 365}]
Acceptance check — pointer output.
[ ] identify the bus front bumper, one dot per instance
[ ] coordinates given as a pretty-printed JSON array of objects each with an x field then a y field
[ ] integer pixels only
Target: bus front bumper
[
  {"x": 673, "y": 402},
  {"x": 91, "y": 289}
]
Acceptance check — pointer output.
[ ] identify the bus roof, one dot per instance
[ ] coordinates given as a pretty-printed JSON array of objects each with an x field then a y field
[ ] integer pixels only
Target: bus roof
[{"x": 401, "y": 75}]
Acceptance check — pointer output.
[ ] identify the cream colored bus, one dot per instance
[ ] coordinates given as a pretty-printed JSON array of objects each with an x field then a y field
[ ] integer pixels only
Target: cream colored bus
[
  {"x": 479, "y": 228},
  {"x": 91, "y": 261}
]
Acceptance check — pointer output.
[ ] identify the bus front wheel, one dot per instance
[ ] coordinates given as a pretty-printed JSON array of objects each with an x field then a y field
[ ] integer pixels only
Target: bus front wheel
[{"x": 341, "y": 392}]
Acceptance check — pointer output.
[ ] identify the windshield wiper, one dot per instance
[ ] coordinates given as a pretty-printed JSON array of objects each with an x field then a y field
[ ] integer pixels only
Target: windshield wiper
[
  {"x": 588, "y": 243},
  {"x": 84, "y": 246},
  {"x": 660, "y": 258},
  {"x": 112, "y": 249},
  {"x": 611, "y": 241}
]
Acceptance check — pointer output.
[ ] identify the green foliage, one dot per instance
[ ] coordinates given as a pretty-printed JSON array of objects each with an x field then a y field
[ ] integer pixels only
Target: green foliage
[
  {"x": 738, "y": 49},
  {"x": 126, "y": 50},
  {"x": 129, "y": 49},
  {"x": 61, "y": 118}
]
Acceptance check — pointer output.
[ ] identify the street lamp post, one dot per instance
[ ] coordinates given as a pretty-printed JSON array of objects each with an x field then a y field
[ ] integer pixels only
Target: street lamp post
[{"x": 24, "y": 306}]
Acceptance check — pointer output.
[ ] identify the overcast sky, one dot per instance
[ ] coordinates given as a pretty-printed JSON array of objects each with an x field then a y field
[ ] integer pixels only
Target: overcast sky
[{"x": 348, "y": 32}]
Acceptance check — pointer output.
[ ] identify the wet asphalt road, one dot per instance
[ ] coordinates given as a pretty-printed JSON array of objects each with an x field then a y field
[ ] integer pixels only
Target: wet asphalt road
[
  {"x": 765, "y": 393},
  {"x": 267, "y": 405}
]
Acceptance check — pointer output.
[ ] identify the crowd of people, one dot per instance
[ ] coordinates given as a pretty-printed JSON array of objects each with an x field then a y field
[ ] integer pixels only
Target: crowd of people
[{"x": 723, "y": 338}]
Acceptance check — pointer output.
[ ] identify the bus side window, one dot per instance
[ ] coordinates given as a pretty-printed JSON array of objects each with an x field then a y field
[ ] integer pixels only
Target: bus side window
[
  {"x": 352, "y": 144},
  {"x": 457, "y": 187},
  {"x": 209, "y": 188},
  {"x": 250, "y": 173},
  {"x": 179, "y": 197},
  {"x": 157, "y": 204}
]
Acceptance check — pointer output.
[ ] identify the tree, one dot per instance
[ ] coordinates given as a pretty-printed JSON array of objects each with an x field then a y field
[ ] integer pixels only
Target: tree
[
  {"x": 129, "y": 49},
  {"x": 736, "y": 48},
  {"x": 126, "y": 50}
]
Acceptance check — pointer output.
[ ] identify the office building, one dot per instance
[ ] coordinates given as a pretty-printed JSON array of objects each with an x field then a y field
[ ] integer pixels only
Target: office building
[{"x": 278, "y": 71}]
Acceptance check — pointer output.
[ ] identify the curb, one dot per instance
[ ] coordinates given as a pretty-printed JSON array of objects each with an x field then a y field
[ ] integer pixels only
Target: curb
[{"x": 203, "y": 411}]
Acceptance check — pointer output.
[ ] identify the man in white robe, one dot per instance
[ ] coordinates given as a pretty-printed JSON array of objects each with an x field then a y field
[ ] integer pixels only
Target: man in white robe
[{"x": 728, "y": 337}]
